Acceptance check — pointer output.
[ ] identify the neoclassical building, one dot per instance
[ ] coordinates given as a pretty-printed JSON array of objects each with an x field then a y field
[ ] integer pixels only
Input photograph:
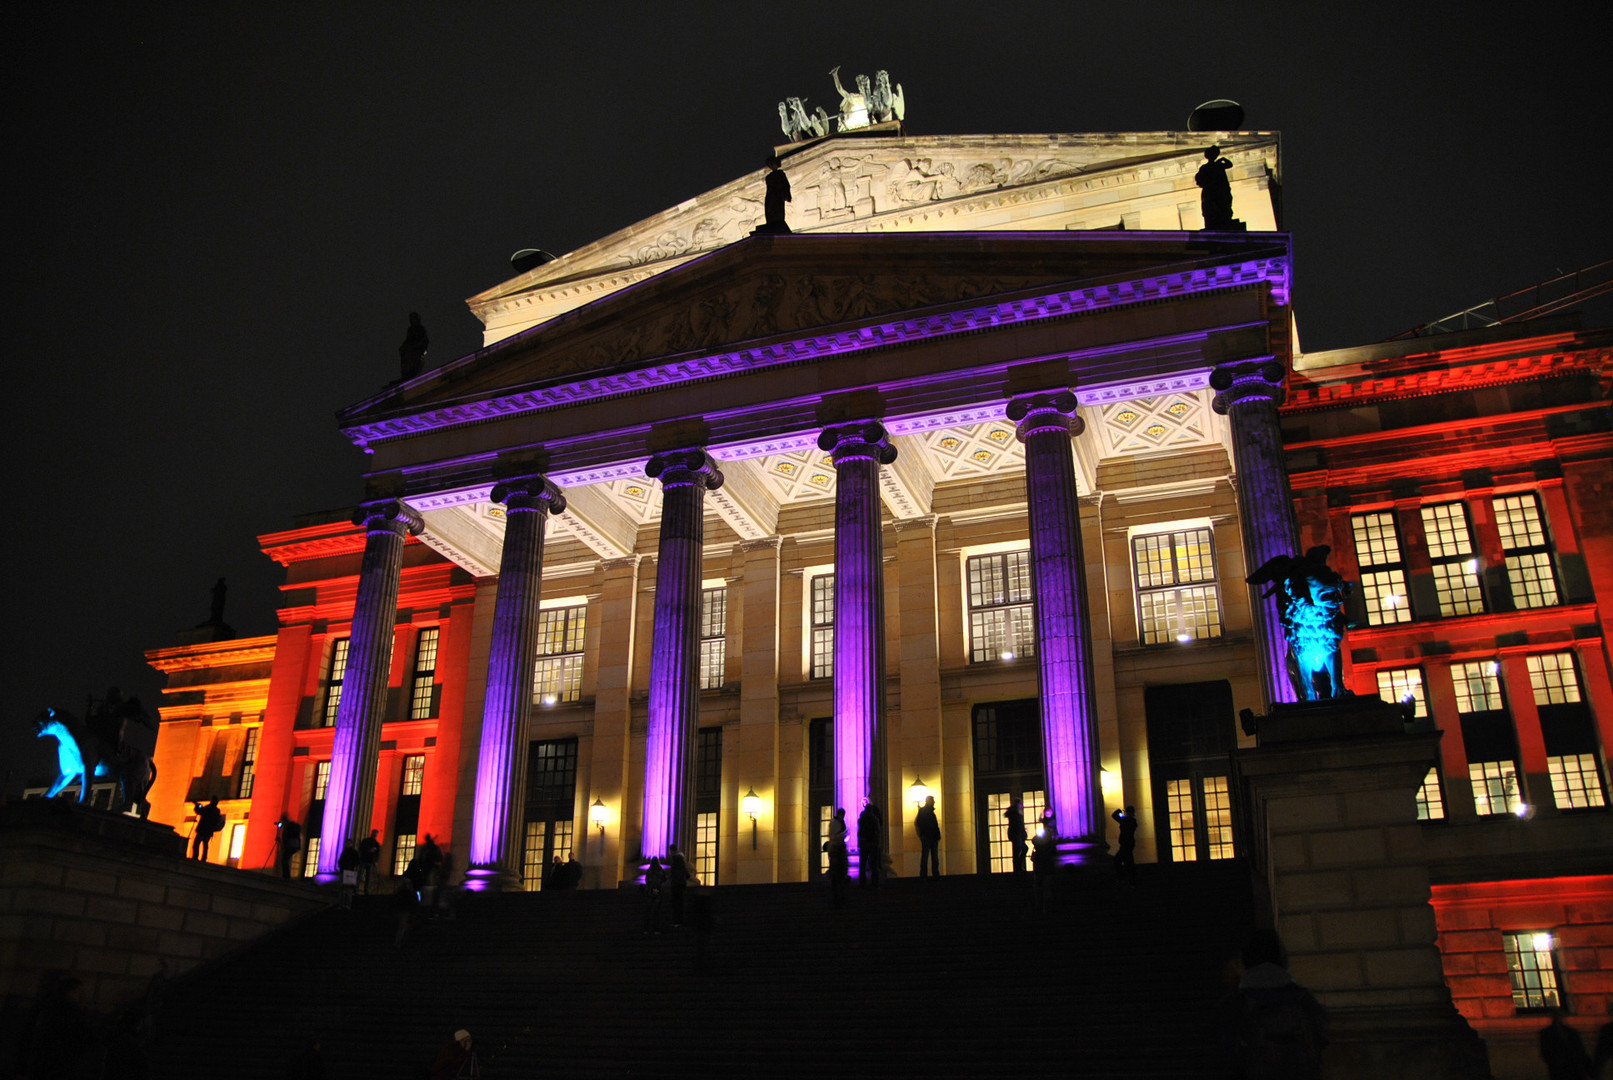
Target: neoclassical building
[{"x": 952, "y": 489}]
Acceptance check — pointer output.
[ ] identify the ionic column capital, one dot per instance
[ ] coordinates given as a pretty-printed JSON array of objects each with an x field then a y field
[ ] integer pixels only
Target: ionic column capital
[
  {"x": 1049, "y": 411},
  {"x": 389, "y": 515},
  {"x": 1240, "y": 380},
  {"x": 857, "y": 440},
  {"x": 685, "y": 468},
  {"x": 531, "y": 492}
]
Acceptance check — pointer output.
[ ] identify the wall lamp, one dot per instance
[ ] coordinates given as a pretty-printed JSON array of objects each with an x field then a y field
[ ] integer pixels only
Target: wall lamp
[
  {"x": 919, "y": 792},
  {"x": 598, "y": 815},
  {"x": 752, "y": 805}
]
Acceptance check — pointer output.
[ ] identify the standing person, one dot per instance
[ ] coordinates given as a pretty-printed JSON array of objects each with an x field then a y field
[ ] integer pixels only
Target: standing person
[
  {"x": 288, "y": 834},
  {"x": 209, "y": 821},
  {"x": 1277, "y": 1028},
  {"x": 869, "y": 826},
  {"x": 1044, "y": 858},
  {"x": 430, "y": 861},
  {"x": 347, "y": 864},
  {"x": 1126, "y": 852},
  {"x": 929, "y": 830},
  {"x": 839, "y": 857},
  {"x": 1017, "y": 837},
  {"x": 1563, "y": 1051},
  {"x": 678, "y": 870},
  {"x": 456, "y": 1061},
  {"x": 405, "y": 902},
  {"x": 654, "y": 883},
  {"x": 369, "y": 852}
]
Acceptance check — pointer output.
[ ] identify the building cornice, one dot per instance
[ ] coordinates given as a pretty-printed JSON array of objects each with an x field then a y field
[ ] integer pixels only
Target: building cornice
[{"x": 213, "y": 654}]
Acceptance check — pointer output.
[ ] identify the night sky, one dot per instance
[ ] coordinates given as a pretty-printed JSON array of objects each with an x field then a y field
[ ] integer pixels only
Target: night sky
[{"x": 228, "y": 210}]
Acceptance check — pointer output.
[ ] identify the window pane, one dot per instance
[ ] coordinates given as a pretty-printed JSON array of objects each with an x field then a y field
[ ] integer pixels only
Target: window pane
[
  {"x": 425, "y": 669},
  {"x": 1517, "y": 519},
  {"x": 1218, "y": 817},
  {"x": 1532, "y": 965},
  {"x": 1181, "y": 614},
  {"x": 1401, "y": 684},
  {"x": 705, "y": 848},
  {"x": 1532, "y": 581},
  {"x": 1430, "y": 799},
  {"x": 1152, "y": 555},
  {"x": 713, "y": 625},
  {"x": 1495, "y": 787},
  {"x": 1376, "y": 542},
  {"x": 1179, "y": 807},
  {"x": 1478, "y": 686},
  {"x": 1385, "y": 594},
  {"x": 403, "y": 854},
  {"x": 1002, "y": 616},
  {"x": 1446, "y": 528},
  {"x": 1575, "y": 781},
  {"x": 1458, "y": 586},
  {"x": 414, "y": 773},
  {"x": 1553, "y": 678},
  {"x": 321, "y": 779}
]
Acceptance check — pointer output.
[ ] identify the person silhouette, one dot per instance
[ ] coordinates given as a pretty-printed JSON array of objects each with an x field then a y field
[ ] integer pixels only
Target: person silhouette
[
  {"x": 654, "y": 883},
  {"x": 870, "y": 826},
  {"x": 412, "y": 353},
  {"x": 369, "y": 852},
  {"x": 209, "y": 822},
  {"x": 1277, "y": 1029},
  {"x": 929, "y": 830},
  {"x": 839, "y": 857},
  {"x": 1126, "y": 851},
  {"x": 290, "y": 841},
  {"x": 678, "y": 871},
  {"x": 1018, "y": 838},
  {"x": 1563, "y": 1051},
  {"x": 1215, "y": 199}
]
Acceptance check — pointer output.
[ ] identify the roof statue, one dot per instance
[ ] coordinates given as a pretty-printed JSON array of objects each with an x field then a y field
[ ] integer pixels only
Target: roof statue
[{"x": 873, "y": 102}]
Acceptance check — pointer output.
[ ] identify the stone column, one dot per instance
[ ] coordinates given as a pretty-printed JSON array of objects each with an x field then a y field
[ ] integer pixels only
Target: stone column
[
  {"x": 686, "y": 476},
  {"x": 495, "y": 832},
  {"x": 1063, "y": 625},
  {"x": 350, "y": 798},
  {"x": 858, "y": 450},
  {"x": 1248, "y": 393}
]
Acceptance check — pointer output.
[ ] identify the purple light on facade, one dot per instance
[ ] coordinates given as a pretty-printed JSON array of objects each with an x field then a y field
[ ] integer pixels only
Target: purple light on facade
[
  {"x": 511, "y": 671},
  {"x": 1063, "y": 633},
  {"x": 356, "y": 744},
  {"x": 674, "y": 705},
  {"x": 858, "y": 450}
]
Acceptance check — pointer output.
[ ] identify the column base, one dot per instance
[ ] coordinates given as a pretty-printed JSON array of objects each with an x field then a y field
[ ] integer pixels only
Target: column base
[
  {"x": 1083, "y": 851},
  {"x": 492, "y": 879}
]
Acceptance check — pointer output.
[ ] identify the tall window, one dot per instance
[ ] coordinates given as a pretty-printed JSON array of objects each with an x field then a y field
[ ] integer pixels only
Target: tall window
[
  {"x": 249, "y": 764},
  {"x": 1002, "y": 614},
  {"x": 422, "y": 697},
  {"x": 406, "y": 823},
  {"x": 1570, "y": 737},
  {"x": 560, "y": 648},
  {"x": 1008, "y": 766},
  {"x": 822, "y": 615},
  {"x": 1383, "y": 568},
  {"x": 707, "y": 803},
  {"x": 551, "y": 796},
  {"x": 713, "y": 642},
  {"x": 1430, "y": 799},
  {"x": 1179, "y": 808},
  {"x": 1000, "y": 847},
  {"x": 1404, "y": 685},
  {"x": 1216, "y": 799},
  {"x": 414, "y": 775},
  {"x": 316, "y": 818},
  {"x": 1177, "y": 597},
  {"x": 237, "y": 842},
  {"x": 1532, "y": 964},
  {"x": 1456, "y": 565},
  {"x": 1528, "y": 551},
  {"x": 333, "y": 681},
  {"x": 1487, "y": 733}
]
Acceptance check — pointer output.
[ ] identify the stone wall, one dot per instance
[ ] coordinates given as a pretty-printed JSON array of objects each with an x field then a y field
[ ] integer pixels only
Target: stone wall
[{"x": 110, "y": 899}]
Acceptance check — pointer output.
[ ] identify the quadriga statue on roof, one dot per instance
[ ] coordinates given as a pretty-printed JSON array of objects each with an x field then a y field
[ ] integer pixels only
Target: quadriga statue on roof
[{"x": 1310, "y": 596}]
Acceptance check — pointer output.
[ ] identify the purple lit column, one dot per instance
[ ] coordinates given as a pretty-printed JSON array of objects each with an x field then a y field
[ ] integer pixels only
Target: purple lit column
[
  {"x": 1063, "y": 630},
  {"x": 356, "y": 745},
  {"x": 858, "y": 450},
  {"x": 1248, "y": 393},
  {"x": 686, "y": 476},
  {"x": 495, "y": 834}
]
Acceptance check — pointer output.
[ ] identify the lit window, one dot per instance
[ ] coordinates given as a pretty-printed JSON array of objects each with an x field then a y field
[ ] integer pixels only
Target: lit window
[
  {"x": 1002, "y": 614},
  {"x": 560, "y": 649},
  {"x": 713, "y": 644},
  {"x": 425, "y": 673},
  {"x": 1495, "y": 787},
  {"x": 1478, "y": 686},
  {"x": 414, "y": 774},
  {"x": 1177, "y": 597},
  {"x": 403, "y": 854},
  {"x": 705, "y": 848},
  {"x": 1455, "y": 564},
  {"x": 310, "y": 857},
  {"x": 1179, "y": 807},
  {"x": 1218, "y": 817},
  {"x": 1383, "y": 568},
  {"x": 533, "y": 866},
  {"x": 826, "y": 815},
  {"x": 1576, "y": 784},
  {"x": 707, "y": 802},
  {"x": 333, "y": 681},
  {"x": 1403, "y": 685},
  {"x": 1528, "y": 552},
  {"x": 237, "y": 841},
  {"x": 321, "y": 779},
  {"x": 1553, "y": 678},
  {"x": 1001, "y": 849},
  {"x": 1430, "y": 799},
  {"x": 1532, "y": 964},
  {"x": 249, "y": 764},
  {"x": 823, "y": 627}
]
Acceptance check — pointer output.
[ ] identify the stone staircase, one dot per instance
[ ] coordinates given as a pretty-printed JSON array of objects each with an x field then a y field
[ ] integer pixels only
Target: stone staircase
[{"x": 957, "y": 977}]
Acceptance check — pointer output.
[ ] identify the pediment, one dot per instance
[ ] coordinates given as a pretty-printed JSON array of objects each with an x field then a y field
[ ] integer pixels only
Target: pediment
[
  {"x": 768, "y": 291},
  {"x": 891, "y": 183}
]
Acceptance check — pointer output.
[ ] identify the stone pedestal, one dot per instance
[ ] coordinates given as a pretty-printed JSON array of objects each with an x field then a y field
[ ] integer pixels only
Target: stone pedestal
[{"x": 1328, "y": 802}]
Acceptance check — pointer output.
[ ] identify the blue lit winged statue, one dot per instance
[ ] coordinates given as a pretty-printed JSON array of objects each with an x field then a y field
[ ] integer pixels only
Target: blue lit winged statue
[
  {"x": 98, "y": 750},
  {"x": 1310, "y": 596}
]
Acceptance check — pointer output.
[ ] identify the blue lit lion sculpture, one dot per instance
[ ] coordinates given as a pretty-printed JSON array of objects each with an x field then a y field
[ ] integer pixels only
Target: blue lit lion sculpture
[{"x": 1310, "y": 596}]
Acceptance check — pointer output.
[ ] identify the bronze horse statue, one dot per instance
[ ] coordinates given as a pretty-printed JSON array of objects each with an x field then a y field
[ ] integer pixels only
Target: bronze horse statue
[{"x": 97, "y": 749}]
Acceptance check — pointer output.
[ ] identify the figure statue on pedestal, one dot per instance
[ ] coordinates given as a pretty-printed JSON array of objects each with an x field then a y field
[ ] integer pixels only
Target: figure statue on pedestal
[
  {"x": 413, "y": 350},
  {"x": 1311, "y": 598},
  {"x": 778, "y": 193},
  {"x": 98, "y": 750},
  {"x": 1216, "y": 199},
  {"x": 853, "y": 106}
]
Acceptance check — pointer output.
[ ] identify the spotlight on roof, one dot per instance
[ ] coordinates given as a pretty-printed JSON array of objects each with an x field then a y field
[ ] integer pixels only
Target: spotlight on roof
[
  {"x": 527, "y": 258},
  {"x": 1217, "y": 115}
]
